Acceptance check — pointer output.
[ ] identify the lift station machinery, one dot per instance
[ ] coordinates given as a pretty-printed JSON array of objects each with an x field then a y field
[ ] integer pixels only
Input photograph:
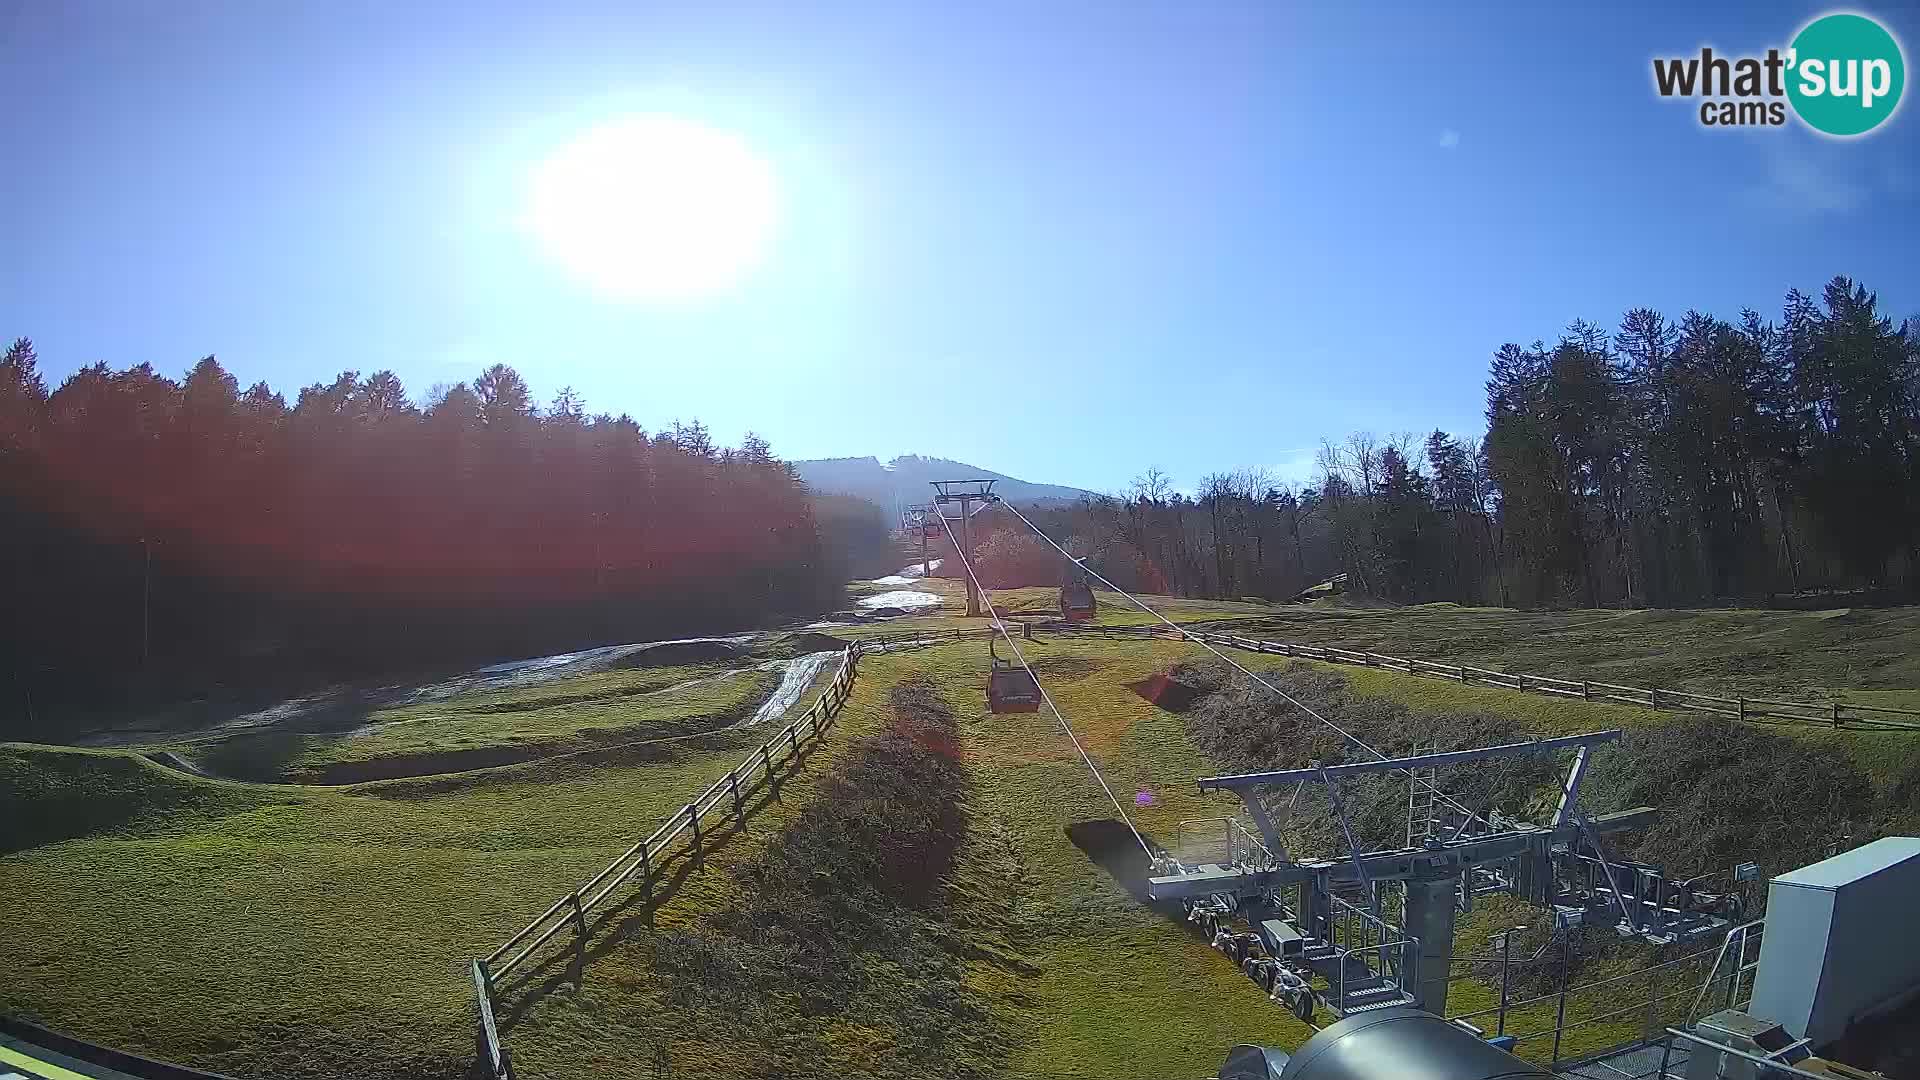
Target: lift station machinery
[{"x": 1374, "y": 929}]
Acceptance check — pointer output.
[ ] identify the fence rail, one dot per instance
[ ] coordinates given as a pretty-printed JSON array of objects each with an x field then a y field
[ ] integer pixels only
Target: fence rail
[{"x": 1837, "y": 714}]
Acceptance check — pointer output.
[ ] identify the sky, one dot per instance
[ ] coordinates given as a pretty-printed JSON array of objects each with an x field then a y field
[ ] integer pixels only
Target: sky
[{"x": 1064, "y": 241}]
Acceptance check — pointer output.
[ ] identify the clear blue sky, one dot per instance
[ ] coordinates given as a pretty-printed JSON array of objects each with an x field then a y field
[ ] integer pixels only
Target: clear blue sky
[{"x": 1065, "y": 241}]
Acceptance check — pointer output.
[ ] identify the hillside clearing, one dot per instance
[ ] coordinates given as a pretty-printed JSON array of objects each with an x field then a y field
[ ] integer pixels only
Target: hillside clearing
[{"x": 229, "y": 925}]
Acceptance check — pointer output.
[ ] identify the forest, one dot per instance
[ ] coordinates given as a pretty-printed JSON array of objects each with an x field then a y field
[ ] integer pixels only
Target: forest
[
  {"x": 1667, "y": 463},
  {"x": 158, "y": 537}
]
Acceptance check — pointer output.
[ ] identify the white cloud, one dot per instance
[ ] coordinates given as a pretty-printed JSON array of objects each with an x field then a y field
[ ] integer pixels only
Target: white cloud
[
  {"x": 1803, "y": 175},
  {"x": 1294, "y": 466},
  {"x": 1449, "y": 138}
]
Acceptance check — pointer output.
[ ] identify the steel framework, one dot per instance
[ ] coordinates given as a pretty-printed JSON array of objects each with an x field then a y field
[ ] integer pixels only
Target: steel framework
[{"x": 1323, "y": 918}]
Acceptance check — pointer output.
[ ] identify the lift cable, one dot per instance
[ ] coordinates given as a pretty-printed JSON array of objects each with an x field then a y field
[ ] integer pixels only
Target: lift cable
[
  {"x": 1207, "y": 645},
  {"x": 987, "y": 598}
]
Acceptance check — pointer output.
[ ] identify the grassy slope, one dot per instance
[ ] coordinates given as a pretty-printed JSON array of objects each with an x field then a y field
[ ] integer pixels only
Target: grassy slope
[
  {"x": 289, "y": 931},
  {"x": 1681, "y": 655},
  {"x": 1735, "y": 651},
  {"x": 1087, "y": 979},
  {"x": 1116, "y": 977},
  {"x": 573, "y": 714},
  {"x": 307, "y": 932},
  {"x": 494, "y": 727},
  {"x": 236, "y": 938}
]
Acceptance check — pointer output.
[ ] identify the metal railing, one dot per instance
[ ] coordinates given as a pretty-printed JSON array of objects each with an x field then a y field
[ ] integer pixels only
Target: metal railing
[
  {"x": 1764, "y": 1066},
  {"x": 1838, "y": 714},
  {"x": 1224, "y": 841},
  {"x": 1356, "y": 934},
  {"x": 1670, "y": 990},
  {"x": 1734, "y": 989}
]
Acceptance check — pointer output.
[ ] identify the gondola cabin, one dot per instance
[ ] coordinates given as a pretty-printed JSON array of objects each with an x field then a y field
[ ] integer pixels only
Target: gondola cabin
[
  {"x": 1010, "y": 686},
  {"x": 1076, "y": 601}
]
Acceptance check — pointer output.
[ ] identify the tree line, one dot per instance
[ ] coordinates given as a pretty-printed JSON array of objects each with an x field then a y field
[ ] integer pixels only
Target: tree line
[
  {"x": 157, "y": 535},
  {"x": 1665, "y": 463}
]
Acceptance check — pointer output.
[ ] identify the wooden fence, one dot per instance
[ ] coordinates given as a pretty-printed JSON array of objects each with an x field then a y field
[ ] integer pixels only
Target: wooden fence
[
  {"x": 727, "y": 795},
  {"x": 1837, "y": 714}
]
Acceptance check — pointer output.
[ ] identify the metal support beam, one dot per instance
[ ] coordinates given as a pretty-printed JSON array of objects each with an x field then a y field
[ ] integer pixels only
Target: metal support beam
[
  {"x": 1613, "y": 882},
  {"x": 1269, "y": 833},
  {"x": 1447, "y": 860},
  {"x": 1453, "y": 757},
  {"x": 1353, "y": 849},
  {"x": 1430, "y": 913},
  {"x": 1570, "y": 791}
]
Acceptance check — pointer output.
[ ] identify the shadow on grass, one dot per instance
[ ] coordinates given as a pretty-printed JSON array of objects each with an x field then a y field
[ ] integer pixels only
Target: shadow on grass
[
  {"x": 1111, "y": 846},
  {"x": 633, "y": 914}
]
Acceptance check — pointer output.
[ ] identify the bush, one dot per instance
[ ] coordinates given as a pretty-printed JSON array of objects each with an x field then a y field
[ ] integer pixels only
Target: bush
[
  {"x": 1244, "y": 727},
  {"x": 1732, "y": 794}
]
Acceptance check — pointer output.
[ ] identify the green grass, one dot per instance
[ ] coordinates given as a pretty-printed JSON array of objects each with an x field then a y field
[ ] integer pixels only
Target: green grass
[
  {"x": 296, "y": 932},
  {"x": 1890, "y": 758},
  {"x": 1116, "y": 976},
  {"x": 305, "y": 932},
  {"x": 572, "y": 714},
  {"x": 494, "y": 727},
  {"x": 1720, "y": 650}
]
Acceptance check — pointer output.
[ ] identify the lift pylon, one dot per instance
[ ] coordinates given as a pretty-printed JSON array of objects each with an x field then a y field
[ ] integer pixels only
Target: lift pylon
[
  {"x": 967, "y": 493},
  {"x": 922, "y": 520}
]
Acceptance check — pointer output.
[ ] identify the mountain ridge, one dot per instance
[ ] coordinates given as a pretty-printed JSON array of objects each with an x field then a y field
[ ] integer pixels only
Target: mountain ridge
[{"x": 905, "y": 479}]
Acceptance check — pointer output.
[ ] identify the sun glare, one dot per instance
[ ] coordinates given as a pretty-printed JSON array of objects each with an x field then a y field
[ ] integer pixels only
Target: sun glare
[{"x": 653, "y": 208}]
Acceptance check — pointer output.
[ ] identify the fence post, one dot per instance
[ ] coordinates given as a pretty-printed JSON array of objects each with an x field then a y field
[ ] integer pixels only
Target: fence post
[
  {"x": 733, "y": 782},
  {"x": 1836, "y": 714},
  {"x": 1586, "y": 690},
  {"x": 1653, "y": 698},
  {"x": 579, "y": 917},
  {"x": 1743, "y": 708},
  {"x": 766, "y": 762},
  {"x": 1653, "y": 1002},
  {"x": 1463, "y": 672},
  {"x": 489, "y": 1031},
  {"x": 1506, "y": 959},
  {"x": 693, "y": 815},
  {"x": 646, "y": 875},
  {"x": 1560, "y": 1015}
]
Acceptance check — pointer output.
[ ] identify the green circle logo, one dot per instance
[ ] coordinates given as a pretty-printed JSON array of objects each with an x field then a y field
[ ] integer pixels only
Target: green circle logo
[{"x": 1845, "y": 74}]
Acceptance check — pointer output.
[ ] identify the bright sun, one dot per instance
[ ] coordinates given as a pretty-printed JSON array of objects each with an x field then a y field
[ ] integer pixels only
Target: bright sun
[{"x": 653, "y": 208}]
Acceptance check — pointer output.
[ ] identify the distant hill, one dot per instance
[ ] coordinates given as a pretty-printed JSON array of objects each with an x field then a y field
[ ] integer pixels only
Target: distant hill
[{"x": 905, "y": 480}]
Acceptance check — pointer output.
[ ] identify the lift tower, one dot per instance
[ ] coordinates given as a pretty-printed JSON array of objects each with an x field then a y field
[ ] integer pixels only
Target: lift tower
[
  {"x": 966, "y": 493},
  {"x": 922, "y": 520}
]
